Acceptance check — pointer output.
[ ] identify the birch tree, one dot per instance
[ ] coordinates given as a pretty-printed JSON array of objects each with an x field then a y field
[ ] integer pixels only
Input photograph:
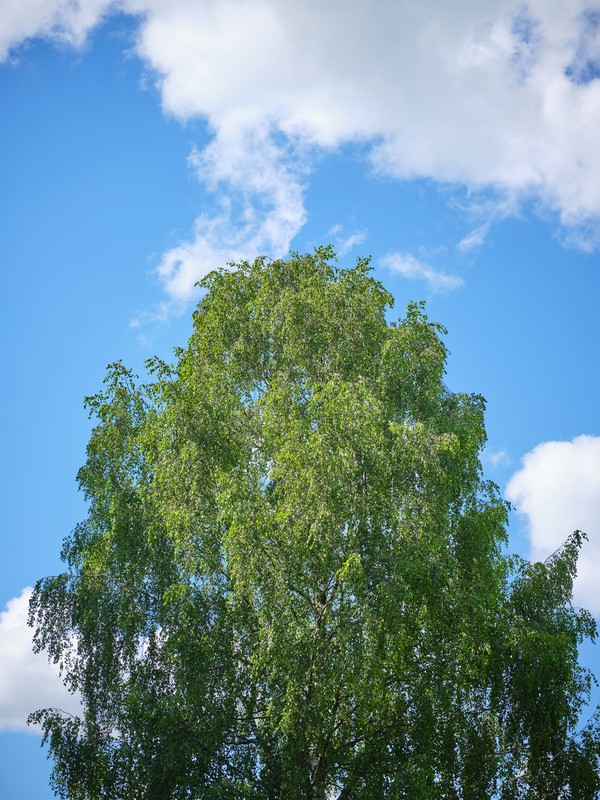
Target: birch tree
[{"x": 293, "y": 580}]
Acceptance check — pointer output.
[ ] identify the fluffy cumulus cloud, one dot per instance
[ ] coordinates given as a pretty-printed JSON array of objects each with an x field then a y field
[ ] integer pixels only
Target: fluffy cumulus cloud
[
  {"x": 27, "y": 681},
  {"x": 500, "y": 96},
  {"x": 557, "y": 490},
  {"x": 66, "y": 21}
]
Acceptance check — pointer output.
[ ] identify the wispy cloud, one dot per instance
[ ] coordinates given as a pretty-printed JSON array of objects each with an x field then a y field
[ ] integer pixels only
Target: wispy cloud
[
  {"x": 27, "y": 681},
  {"x": 557, "y": 490},
  {"x": 408, "y": 266},
  {"x": 258, "y": 188},
  {"x": 345, "y": 242},
  {"x": 474, "y": 239},
  {"x": 496, "y": 458}
]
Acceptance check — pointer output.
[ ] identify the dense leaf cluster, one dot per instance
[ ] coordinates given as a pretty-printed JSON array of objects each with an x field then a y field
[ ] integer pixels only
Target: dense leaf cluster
[{"x": 292, "y": 582}]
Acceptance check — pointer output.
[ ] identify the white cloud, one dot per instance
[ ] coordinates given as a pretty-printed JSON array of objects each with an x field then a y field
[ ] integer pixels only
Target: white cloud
[
  {"x": 498, "y": 96},
  {"x": 470, "y": 93},
  {"x": 557, "y": 489},
  {"x": 344, "y": 243},
  {"x": 67, "y": 21},
  {"x": 260, "y": 211},
  {"x": 408, "y": 266},
  {"x": 497, "y": 458},
  {"x": 474, "y": 239},
  {"x": 27, "y": 681}
]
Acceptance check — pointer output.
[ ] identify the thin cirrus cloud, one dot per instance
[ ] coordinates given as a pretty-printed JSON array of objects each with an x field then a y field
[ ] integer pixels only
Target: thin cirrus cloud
[
  {"x": 474, "y": 239},
  {"x": 345, "y": 242},
  {"x": 496, "y": 458},
  {"x": 27, "y": 681},
  {"x": 557, "y": 491},
  {"x": 408, "y": 266},
  {"x": 501, "y": 97}
]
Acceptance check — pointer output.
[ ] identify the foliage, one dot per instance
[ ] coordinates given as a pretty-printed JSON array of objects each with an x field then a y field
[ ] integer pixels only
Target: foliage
[{"x": 292, "y": 582}]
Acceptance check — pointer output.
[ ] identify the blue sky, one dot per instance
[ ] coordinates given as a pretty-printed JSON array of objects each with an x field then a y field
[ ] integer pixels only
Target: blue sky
[{"x": 144, "y": 142}]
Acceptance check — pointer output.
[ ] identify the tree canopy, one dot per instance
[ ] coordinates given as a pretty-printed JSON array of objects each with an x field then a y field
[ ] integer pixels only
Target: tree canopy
[{"x": 293, "y": 580}]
